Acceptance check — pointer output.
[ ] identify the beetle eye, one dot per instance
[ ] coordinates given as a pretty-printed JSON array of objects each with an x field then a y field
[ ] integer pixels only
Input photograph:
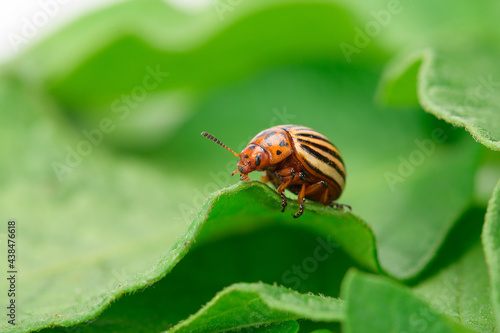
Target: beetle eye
[{"x": 258, "y": 159}]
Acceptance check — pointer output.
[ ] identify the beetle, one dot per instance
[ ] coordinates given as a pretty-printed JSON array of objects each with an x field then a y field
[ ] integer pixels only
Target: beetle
[{"x": 296, "y": 158}]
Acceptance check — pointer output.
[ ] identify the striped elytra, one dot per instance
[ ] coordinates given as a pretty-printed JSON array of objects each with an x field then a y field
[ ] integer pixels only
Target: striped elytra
[{"x": 295, "y": 158}]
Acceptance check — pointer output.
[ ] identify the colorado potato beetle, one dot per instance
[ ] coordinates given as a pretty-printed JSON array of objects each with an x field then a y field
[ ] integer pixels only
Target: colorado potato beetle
[{"x": 296, "y": 158}]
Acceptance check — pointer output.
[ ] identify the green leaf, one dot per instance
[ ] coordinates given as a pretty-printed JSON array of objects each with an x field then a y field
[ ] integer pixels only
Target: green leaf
[
  {"x": 462, "y": 291},
  {"x": 157, "y": 38},
  {"x": 400, "y": 24},
  {"x": 377, "y": 304},
  {"x": 120, "y": 257},
  {"x": 88, "y": 237},
  {"x": 122, "y": 220},
  {"x": 278, "y": 254},
  {"x": 457, "y": 81},
  {"x": 285, "y": 327},
  {"x": 246, "y": 305},
  {"x": 491, "y": 244},
  {"x": 459, "y": 286},
  {"x": 110, "y": 253},
  {"x": 394, "y": 159}
]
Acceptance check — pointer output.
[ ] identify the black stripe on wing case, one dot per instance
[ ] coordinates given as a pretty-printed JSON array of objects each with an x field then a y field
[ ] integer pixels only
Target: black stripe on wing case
[
  {"x": 323, "y": 159},
  {"x": 309, "y": 135},
  {"x": 323, "y": 148},
  {"x": 321, "y": 173}
]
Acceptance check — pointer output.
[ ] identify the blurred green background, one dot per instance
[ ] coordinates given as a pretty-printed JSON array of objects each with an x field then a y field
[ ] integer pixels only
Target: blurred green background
[{"x": 104, "y": 169}]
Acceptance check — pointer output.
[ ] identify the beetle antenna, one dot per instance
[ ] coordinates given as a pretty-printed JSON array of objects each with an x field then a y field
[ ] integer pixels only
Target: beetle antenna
[{"x": 214, "y": 139}]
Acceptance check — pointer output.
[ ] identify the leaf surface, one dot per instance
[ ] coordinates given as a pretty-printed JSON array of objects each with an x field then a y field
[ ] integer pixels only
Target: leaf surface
[
  {"x": 457, "y": 81},
  {"x": 491, "y": 244},
  {"x": 401, "y": 312},
  {"x": 246, "y": 305}
]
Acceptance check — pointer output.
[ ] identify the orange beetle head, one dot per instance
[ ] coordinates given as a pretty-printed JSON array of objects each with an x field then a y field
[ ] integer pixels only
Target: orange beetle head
[{"x": 252, "y": 158}]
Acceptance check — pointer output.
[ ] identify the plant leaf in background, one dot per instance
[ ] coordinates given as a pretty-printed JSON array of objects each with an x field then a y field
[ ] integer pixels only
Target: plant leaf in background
[
  {"x": 197, "y": 52},
  {"x": 457, "y": 282},
  {"x": 456, "y": 79},
  {"x": 126, "y": 213},
  {"x": 245, "y": 305},
  {"x": 86, "y": 238},
  {"x": 282, "y": 252},
  {"x": 462, "y": 292},
  {"x": 404, "y": 313},
  {"x": 396, "y": 25},
  {"x": 389, "y": 182},
  {"x": 252, "y": 215},
  {"x": 284, "y": 327},
  {"x": 491, "y": 244},
  {"x": 458, "y": 83},
  {"x": 106, "y": 264}
]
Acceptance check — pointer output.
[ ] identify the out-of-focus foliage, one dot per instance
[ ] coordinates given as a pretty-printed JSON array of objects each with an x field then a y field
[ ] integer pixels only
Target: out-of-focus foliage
[{"x": 128, "y": 220}]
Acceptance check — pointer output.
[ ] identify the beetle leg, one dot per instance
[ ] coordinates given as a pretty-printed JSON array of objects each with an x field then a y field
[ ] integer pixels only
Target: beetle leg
[
  {"x": 324, "y": 198},
  {"x": 321, "y": 185},
  {"x": 286, "y": 174},
  {"x": 283, "y": 202},
  {"x": 300, "y": 199},
  {"x": 340, "y": 206},
  {"x": 282, "y": 188}
]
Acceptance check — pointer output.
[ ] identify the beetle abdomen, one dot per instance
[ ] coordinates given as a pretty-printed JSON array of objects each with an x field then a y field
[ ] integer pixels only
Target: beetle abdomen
[{"x": 318, "y": 155}]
